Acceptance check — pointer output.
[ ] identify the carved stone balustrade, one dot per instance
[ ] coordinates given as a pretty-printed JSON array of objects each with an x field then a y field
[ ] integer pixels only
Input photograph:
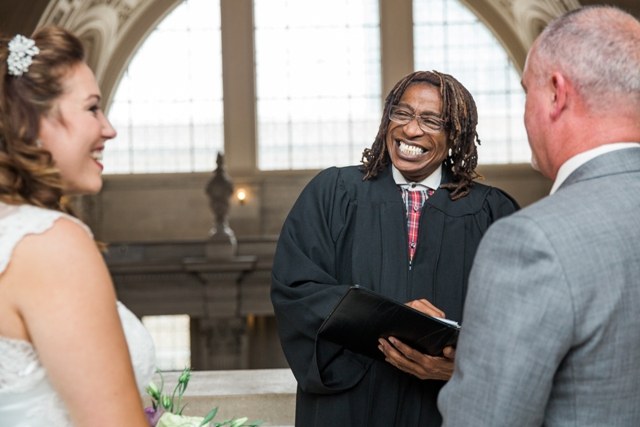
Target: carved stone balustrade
[{"x": 219, "y": 294}]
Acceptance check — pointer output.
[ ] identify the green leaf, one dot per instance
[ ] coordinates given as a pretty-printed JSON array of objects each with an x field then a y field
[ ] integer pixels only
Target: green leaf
[
  {"x": 211, "y": 415},
  {"x": 238, "y": 422}
]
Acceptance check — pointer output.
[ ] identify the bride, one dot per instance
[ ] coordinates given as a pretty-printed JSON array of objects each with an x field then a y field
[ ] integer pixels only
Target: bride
[{"x": 70, "y": 354}]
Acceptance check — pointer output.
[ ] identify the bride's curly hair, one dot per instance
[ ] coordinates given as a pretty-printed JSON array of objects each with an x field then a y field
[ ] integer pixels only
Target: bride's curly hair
[
  {"x": 461, "y": 118},
  {"x": 27, "y": 172}
]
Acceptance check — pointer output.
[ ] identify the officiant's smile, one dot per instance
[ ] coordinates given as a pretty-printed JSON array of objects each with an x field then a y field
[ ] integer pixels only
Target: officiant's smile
[{"x": 416, "y": 137}]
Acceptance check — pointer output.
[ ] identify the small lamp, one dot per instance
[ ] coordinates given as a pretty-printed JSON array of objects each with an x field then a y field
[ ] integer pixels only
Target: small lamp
[{"x": 241, "y": 195}]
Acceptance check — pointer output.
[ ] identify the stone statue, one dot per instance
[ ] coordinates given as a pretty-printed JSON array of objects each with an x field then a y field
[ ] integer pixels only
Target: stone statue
[{"x": 219, "y": 190}]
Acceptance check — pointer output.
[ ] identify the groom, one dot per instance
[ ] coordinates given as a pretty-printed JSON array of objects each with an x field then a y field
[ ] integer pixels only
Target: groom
[{"x": 551, "y": 326}]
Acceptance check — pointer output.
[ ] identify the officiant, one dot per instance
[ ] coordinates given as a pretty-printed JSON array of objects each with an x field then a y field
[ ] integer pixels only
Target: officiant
[{"x": 405, "y": 223}]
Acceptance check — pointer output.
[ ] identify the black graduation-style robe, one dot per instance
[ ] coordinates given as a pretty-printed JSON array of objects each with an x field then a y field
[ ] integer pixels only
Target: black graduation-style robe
[{"x": 344, "y": 231}]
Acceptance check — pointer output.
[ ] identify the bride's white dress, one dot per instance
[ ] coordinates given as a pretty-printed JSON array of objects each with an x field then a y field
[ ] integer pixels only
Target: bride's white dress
[{"x": 26, "y": 396}]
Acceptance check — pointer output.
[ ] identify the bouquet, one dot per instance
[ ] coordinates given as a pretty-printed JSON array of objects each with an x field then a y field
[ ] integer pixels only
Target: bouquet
[{"x": 166, "y": 411}]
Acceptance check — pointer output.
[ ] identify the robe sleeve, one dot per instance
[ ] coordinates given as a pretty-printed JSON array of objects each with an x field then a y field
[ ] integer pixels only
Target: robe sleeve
[
  {"x": 305, "y": 287},
  {"x": 497, "y": 204}
]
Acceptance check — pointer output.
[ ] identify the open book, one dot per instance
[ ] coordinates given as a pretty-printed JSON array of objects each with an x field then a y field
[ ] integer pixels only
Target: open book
[{"x": 362, "y": 316}]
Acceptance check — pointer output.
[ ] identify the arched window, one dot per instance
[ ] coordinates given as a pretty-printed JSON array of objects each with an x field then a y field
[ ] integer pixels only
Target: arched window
[
  {"x": 448, "y": 37},
  {"x": 318, "y": 81},
  {"x": 167, "y": 108}
]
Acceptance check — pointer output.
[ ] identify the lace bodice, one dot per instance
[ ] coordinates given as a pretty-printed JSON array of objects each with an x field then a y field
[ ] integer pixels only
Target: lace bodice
[{"x": 26, "y": 396}]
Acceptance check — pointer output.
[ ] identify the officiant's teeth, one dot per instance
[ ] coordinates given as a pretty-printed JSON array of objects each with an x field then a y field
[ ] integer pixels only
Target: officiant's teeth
[
  {"x": 411, "y": 150},
  {"x": 96, "y": 155}
]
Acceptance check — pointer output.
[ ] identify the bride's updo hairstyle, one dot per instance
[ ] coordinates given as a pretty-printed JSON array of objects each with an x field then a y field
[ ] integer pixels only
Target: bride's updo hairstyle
[{"x": 27, "y": 92}]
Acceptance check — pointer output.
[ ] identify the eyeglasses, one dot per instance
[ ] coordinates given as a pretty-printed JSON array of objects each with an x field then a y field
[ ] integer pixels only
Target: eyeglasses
[{"x": 429, "y": 123}]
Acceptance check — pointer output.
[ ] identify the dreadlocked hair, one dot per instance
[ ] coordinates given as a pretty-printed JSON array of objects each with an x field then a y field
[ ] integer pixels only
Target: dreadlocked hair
[
  {"x": 27, "y": 172},
  {"x": 461, "y": 118}
]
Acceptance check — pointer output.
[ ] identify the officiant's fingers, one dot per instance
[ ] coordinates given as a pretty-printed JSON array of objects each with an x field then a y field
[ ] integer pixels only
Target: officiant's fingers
[
  {"x": 407, "y": 351},
  {"x": 449, "y": 352},
  {"x": 391, "y": 353},
  {"x": 401, "y": 355},
  {"x": 426, "y": 307},
  {"x": 414, "y": 362}
]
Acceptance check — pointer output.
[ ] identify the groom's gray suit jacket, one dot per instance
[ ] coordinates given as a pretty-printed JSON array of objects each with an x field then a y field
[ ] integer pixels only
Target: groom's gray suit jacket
[{"x": 551, "y": 327}]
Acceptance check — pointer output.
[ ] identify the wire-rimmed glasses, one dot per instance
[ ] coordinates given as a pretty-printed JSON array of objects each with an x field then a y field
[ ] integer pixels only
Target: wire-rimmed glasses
[{"x": 429, "y": 123}]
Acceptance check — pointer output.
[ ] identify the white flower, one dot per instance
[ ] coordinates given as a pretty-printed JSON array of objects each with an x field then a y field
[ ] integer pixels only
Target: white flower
[
  {"x": 172, "y": 420},
  {"x": 22, "y": 50}
]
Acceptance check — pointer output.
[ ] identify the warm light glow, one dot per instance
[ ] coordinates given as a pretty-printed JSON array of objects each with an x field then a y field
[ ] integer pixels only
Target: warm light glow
[{"x": 241, "y": 194}]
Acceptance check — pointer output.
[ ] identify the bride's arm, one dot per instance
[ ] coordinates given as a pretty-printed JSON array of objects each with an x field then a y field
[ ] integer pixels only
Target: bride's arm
[{"x": 68, "y": 304}]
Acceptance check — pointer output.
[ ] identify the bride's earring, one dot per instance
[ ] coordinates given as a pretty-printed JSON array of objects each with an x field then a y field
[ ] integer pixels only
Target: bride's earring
[{"x": 38, "y": 143}]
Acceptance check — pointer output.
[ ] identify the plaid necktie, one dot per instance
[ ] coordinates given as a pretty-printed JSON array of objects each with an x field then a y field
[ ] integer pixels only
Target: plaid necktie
[{"x": 414, "y": 200}]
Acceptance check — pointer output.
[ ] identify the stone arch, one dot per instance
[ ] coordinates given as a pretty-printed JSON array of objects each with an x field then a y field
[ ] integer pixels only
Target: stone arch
[
  {"x": 96, "y": 29},
  {"x": 111, "y": 31},
  {"x": 129, "y": 41},
  {"x": 531, "y": 16},
  {"x": 498, "y": 17}
]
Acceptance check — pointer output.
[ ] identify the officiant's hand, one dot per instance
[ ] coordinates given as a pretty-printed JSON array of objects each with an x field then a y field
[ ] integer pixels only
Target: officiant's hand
[
  {"x": 426, "y": 307},
  {"x": 413, "y": 362}
]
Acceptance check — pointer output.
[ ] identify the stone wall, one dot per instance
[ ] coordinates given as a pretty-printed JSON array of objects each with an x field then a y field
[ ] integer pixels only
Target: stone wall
[{"x": 166, "y": 207}]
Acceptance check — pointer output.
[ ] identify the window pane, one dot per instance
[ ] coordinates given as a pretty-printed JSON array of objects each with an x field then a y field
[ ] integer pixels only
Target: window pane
[
  {"x": 448, "y": 37},
  {"x": 172, "y": 340},
  {"x": 318, "y": 81},
  {"x": 167, "y": 108}
]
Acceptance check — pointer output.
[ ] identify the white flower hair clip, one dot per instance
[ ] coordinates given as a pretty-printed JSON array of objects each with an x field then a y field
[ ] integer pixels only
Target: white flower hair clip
[{"x": 22, "y": 50}]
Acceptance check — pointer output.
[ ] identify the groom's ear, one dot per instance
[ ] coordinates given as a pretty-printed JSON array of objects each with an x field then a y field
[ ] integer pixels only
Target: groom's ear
[{"x": 562, "y": 95}]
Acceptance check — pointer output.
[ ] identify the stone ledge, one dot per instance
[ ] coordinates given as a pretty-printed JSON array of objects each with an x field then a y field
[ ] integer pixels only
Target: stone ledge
[{"x": 265, "y": 394}]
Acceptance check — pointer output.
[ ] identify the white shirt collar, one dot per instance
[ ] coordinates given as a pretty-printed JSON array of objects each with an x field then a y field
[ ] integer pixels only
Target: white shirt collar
[
  {"x": 432, "y": 181},
  {"x": 580, "y": 159}
]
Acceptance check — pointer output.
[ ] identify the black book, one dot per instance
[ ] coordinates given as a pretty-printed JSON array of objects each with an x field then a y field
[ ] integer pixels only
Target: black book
[{"x": 362, "y": 316}]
